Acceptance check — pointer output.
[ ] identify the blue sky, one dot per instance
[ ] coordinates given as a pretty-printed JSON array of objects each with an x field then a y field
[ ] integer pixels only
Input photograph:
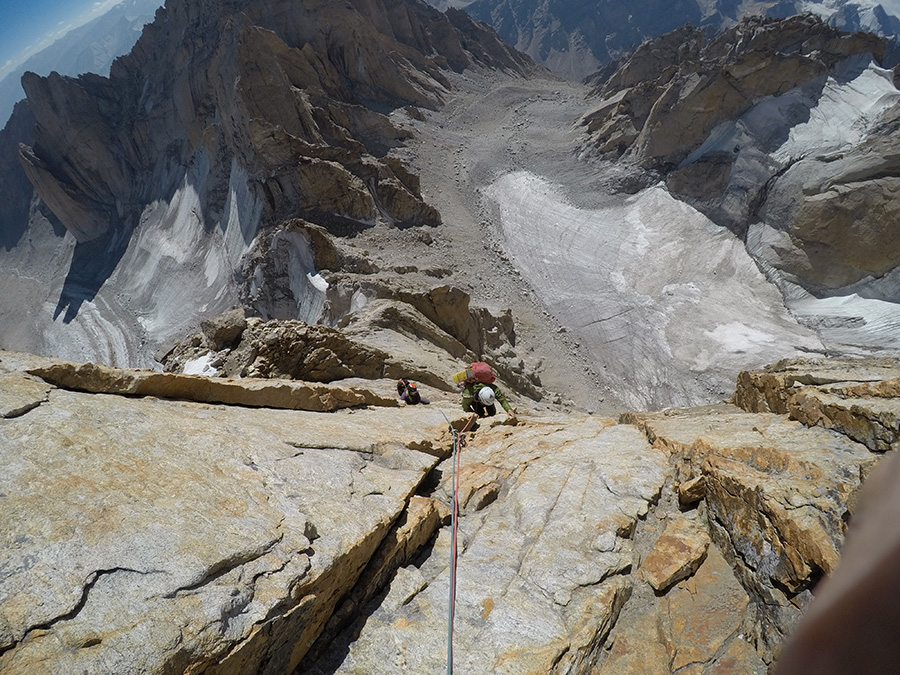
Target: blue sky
[{"x": 27, "y": 26}]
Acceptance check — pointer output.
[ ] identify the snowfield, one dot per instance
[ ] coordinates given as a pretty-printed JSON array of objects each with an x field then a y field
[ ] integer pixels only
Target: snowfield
[{"x": 670, "y": 304}]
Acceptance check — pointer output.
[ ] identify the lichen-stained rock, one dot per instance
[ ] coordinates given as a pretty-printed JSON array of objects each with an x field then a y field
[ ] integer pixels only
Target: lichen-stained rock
[
  {"x": 693, "y": 628},
  {"x": 639, "y": 647},
  {"x": 848, "y": 628},
  {"x": 873, "y": 421},
  {"x": 692, "y": 490},
  {"x": 705, "y": 613},
  {"x": 778, "y": 495},
  {"x": 540, "y": 570},
  {"x": 155, "y": 536},
  {"x": 858, "y": 398},
  {"x": 676, "y": 555}
]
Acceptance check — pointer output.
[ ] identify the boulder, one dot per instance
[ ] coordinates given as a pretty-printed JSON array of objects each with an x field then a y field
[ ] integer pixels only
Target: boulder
[
  {"x": 705, "y": 615},
  {"x": 676, "y": 555}
]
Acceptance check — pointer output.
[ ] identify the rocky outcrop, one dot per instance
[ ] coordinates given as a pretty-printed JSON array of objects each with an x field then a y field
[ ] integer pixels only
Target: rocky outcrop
[
  {"x": 826, "y": 215},
  {"x": 256, "y": 393},
  {"x": 394, "y": 332},
  {"x": 861, "y": 401},
  {"x": 843, "y": 629},
  {"x": 286, "y": 539},
  {"x": 668, "y": 96},
  {"x": 289, "y": 349},
  {"x": 777, "y": 495},
  {"x": 782, "y": 131}
]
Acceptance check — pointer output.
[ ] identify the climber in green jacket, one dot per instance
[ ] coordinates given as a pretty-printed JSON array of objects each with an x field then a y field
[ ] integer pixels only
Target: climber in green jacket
[{"x": 480, "y": 398}]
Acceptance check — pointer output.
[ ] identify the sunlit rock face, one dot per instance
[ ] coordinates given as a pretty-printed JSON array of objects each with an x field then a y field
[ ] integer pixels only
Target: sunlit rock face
[{"x": 215, "y": 525}]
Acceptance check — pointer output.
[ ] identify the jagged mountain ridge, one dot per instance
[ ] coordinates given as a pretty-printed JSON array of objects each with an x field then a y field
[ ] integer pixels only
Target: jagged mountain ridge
[
  {"x": 333, "y": 262},
  {"x": 576, "y": 39},
  {"x": 90, "y": 48},
  {"x": 173, "y": 498}
]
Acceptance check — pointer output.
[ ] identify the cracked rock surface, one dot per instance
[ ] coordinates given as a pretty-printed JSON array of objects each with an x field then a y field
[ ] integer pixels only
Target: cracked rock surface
[{"x": 143, "y": 533}]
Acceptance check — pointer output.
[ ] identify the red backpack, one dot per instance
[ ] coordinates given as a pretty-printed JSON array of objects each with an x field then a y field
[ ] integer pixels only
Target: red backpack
[{"x": 481, "y": 372}]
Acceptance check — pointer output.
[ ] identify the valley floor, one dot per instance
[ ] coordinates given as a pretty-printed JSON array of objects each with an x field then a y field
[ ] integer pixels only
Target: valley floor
[{"x": 621, "y": 301}]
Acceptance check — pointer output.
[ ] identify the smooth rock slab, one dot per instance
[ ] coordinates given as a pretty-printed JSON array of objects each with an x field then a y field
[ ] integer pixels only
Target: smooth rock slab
[
  {"x": 143, "y": 535},
  {"x": 20, "y": 393},
  {"x": 540, "y": 578}
]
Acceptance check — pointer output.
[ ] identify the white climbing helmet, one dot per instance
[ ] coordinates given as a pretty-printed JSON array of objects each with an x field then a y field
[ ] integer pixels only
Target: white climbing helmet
[{"x": 486, "y": 396}]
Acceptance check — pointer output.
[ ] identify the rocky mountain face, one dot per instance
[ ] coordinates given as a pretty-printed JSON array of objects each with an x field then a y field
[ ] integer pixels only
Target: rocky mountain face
[
  {"x": 575, "y": 39},
  {"x": 162, "y": 523},
  {"x": 88, "y": 49},
  {"x": 225, "y": 121},
  {"x": 783, "y": 132}
]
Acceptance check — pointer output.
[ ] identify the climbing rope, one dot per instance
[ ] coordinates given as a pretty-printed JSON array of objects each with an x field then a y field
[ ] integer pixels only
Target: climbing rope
[{"x": 454, "y": 480}]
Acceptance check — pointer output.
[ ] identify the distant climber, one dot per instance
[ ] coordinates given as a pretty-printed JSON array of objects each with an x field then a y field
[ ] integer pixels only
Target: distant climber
[
  {"x": 409, "y": 392},
  {"x": 479, "y": 393}
]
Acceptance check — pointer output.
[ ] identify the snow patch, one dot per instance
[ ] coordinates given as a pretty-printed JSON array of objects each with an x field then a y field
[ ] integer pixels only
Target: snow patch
[
  {"x": 201, "y": 366},
  {"x": 807, "y": 120},
  {"x": 242, "y": 213},
  {"x": 307, "y": 286},
  {"x": 739, "y": 338},
  {"x": 854, "y": 98}
]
